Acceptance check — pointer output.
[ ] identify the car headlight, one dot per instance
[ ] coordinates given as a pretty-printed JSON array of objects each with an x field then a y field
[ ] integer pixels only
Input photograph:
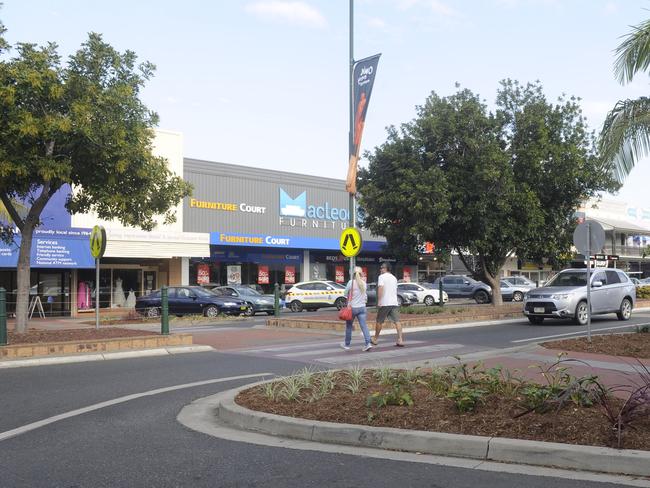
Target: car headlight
[
  {"x": 264, "y": 302},
  {"x": 230, "y": 304},
  {"x": 560, "y": 296}
]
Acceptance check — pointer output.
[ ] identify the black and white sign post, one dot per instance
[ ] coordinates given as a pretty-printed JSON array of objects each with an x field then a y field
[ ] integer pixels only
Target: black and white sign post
[
  {"x": 97, "y": 249},
  {"x": 587, "y": 236}
]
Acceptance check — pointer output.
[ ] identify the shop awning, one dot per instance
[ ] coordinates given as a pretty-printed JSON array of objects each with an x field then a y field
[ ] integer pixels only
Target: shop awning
[
  {"x": 157, "y": 245},
  {"x": 620, "y": 225}
]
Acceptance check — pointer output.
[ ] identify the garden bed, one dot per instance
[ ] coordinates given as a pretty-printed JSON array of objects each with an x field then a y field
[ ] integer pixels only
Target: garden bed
[
  {"x": 633, "y": 345},
  {"x": 35, "y": 336},
  {"x": 462, "y": 400}
]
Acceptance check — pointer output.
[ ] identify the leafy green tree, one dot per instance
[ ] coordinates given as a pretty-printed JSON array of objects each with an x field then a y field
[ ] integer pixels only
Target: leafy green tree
[
  {"x": 625, "y": 137},
  {"x": 487, "y": 185},
  {"x": 81, "y": 124}
]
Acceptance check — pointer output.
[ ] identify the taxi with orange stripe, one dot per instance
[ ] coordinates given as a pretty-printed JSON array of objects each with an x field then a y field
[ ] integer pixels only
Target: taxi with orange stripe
[{"x": 312, "y": 295}]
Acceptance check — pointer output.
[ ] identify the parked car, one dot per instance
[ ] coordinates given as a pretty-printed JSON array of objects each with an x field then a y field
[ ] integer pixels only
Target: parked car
[
  {"x": 637, "y": 282},
  {"x": 458, "y": 286},
  {"x": 190, "y": 300},
  {"x": 312, "y": 295},
  {"x": 404, "y": 298},
  {"x": 512, "y": 292},
  {"x": 565, "y": 296},
  {"x": 425, "y": 292},
  {"x": 520, "y": 281},
  {"x": 257, "y": 301},
  {"x": 645, "y": 282}
]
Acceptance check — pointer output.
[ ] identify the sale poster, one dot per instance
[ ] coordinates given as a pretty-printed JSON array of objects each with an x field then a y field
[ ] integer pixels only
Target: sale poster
[
  {"x": 289, "y": 275},
  {"x": 407, "y": 274},
  {"x": 234, "y": 275},
  {"x": 340, "y": 274},
  {"x": 263, "y": 275},
  {"x": 203, "y": 274}
]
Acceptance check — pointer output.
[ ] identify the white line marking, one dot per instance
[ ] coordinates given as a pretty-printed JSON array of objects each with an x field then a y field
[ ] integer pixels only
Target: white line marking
[
  {"x": 97, "y": 406},
  {"x": 325, "y": 350},
  {"x": 391, "y": 353},
  {"x": 579, "y": 333}
]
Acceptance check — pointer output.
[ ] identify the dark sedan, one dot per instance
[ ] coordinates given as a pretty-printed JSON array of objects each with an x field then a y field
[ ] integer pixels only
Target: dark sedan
[
  {"x": 257, "y": 301},
  {"x": 184, "y": 300},
  {"x": 404, "y": 298}
]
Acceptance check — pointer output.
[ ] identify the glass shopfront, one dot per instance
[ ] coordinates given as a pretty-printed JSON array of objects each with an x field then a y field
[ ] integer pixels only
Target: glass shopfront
[
  {"x": 49, "y": 292},
  {"x": 247, "y": 267}
]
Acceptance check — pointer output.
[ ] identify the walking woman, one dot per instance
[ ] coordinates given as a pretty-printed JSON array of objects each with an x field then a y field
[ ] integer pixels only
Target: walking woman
[{"x": 356, "y": 290}]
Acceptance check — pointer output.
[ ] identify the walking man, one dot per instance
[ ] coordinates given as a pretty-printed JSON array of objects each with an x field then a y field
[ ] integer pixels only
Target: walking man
[{"x": 388, "y": 306}]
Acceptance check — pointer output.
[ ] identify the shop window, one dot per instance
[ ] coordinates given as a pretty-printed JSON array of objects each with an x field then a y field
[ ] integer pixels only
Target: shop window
[{"x": 126, "y": 284}]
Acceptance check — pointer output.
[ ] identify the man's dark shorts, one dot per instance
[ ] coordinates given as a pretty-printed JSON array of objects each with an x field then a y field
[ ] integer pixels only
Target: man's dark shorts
[{"x": 390, "y": 312}]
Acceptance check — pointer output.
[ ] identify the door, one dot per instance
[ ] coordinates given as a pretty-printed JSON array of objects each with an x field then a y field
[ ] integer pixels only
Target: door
[
  {"x": 450, "y": 285},
  {"x": 465, "y": 287},
  {"x": 599, "y": 295},
  {"x": 615, "y": 292}
]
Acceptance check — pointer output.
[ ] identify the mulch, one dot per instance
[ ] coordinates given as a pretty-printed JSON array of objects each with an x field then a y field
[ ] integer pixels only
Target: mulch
[
  {"x": 35, "y": 336},
  {"x": 634, "y": 345},
  {"x": 495, "y": 417}
]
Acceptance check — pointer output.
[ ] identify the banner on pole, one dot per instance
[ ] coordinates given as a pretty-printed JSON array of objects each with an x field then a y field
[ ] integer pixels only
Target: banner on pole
[{"x": 363, "y": 77}]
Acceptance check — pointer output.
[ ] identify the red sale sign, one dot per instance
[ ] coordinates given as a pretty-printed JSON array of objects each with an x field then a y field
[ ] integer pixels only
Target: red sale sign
[
  {"x": 407, "y": 274},
  {"x": 364, "y": 272},
  {"x": 289, "y": 275},
  {"x": 263, "y": 275},
  {"x": 203, "y": 274},
  {"x": 340, "y": 274}
]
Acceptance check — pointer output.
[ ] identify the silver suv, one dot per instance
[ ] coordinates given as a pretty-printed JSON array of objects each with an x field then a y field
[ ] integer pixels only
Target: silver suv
[{"x": 565, "y": 296}]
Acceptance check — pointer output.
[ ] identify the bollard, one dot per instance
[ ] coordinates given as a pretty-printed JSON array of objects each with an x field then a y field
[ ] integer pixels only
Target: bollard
[
  {"x": 276, "y": 300},
  {"x": 440, "y": 300},
  {"x": 164, "y": 316},
  {"x": 3, "y": 317}
]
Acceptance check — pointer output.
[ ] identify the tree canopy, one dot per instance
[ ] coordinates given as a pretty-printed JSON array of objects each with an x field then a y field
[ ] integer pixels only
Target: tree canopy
[
  {"x": 81, "y": 124},
  {"x": 485, "y": 184},
  {"x": 625, "y": 137}
]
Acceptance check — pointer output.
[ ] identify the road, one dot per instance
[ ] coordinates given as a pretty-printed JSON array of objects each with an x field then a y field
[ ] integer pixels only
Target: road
[{"x": 137, "y": 442}]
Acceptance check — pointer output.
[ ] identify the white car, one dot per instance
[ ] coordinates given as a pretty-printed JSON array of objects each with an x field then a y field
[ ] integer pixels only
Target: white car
[
  {"x": 426, "y": 292},
  {"x": 312, "y": 295}
]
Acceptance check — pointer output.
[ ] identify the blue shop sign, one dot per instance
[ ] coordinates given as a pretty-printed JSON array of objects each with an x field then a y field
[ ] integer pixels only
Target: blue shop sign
[
  {"x": 288, "y": 242},
  {"x": 67, "y": 248}
]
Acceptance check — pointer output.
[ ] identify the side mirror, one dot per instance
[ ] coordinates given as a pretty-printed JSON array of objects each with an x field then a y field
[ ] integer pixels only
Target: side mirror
[{"x": 597, "y": 284}]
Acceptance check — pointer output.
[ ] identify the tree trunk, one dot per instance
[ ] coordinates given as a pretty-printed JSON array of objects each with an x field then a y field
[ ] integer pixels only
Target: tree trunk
[
  {"x": 23, "y": 277},
  {"x": 495, "y": 284}
]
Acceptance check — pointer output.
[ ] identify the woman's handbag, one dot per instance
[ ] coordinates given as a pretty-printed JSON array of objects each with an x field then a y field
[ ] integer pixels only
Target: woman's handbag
[{"x": 346, "y": 312}]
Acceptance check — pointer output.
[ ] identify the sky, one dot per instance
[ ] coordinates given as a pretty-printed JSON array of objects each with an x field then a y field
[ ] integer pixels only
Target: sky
[{"x": 264, "y": 83}]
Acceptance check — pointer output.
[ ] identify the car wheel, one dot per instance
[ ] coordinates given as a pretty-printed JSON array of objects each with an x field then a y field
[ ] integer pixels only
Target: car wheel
[
  {"x": 249, "y": 310},
  {"x": 340, "y": 303},
  {"x": 536, "y": 320},
  {"x": 211, "y": 311},
  {"x": 625, "y": 312},
  {"x": 517, "y": 296},
  {"x": 296, "y": 306},
  {"x": 582, "y": 314},
  {"x": 481, "y": 297},
  {"x": 153, "y": 312},
  {"x": 429, "y": 301}
]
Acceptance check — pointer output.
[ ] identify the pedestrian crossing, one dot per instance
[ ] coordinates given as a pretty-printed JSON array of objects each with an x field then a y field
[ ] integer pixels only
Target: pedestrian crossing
[{"x": 329, "y": 353}]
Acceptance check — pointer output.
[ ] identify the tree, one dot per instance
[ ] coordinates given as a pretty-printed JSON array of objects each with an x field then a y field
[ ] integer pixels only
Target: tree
[
  {"x": 487, "y": 185},
  {"x": 81, "y": 124},
  {"x": 625, "y": 137}
]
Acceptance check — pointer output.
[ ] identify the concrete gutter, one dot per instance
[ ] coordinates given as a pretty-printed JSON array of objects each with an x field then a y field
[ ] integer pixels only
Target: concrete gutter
[
  {"x": 107, "y": 356},
  {"x": 567, "y": 456}
]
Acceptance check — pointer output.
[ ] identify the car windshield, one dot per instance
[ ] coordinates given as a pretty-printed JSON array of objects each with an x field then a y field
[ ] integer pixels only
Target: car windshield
[
  {"x": 428, "y": 285},
  {"x": 202, "y": 292},
  {"x": 569, "y": 278},
  {"x": 244, "y": 290},
  {"x": 336, "y": 285}
]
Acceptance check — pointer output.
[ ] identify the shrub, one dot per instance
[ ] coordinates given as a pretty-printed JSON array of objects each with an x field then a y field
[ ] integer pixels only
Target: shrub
[
  {"x": 643, "y": 292},
  {"x": 466, "y": 397},
  {"x": 397, "y": 395},
  {"x": 421, "y": 310}
]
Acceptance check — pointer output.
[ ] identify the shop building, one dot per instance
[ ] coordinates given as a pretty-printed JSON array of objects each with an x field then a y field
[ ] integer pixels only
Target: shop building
[
  {"x": 270, "y": 227},
  {"x": 135, "y": 262}
]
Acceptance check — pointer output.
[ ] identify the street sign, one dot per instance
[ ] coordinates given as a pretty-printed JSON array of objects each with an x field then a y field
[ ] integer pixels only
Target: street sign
[
  {"x": 98, "y": 242},
  {"x": 350, "y": 242},
  {"x": 601, "y": 257},
  {"x": 589, "y": 236},
  {"x": 612, "y": 257}
]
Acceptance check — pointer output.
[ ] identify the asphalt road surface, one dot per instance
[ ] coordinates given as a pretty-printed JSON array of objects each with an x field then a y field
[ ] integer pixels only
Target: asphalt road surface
[{"x": 132, "y": 438}]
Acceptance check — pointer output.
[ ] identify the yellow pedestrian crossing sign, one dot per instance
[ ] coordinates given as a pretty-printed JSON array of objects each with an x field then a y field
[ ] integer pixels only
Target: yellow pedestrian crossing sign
[
  {"x": 97, "y": 242},
  {"x": 351, "y": 242}
]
